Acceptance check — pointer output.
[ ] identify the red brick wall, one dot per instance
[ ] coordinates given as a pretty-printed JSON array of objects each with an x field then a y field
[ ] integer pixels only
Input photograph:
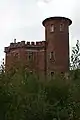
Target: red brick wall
[
  {"x": 20, "y": 55},
  {"x": 58, "y": 42}
]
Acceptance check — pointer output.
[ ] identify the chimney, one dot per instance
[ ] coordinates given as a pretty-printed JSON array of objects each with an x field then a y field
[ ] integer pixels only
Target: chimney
[{"x": 14, "y": 40}]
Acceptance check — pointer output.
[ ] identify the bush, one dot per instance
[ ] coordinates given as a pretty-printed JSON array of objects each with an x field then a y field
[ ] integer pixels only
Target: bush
[{"x": 25, "y": 97}]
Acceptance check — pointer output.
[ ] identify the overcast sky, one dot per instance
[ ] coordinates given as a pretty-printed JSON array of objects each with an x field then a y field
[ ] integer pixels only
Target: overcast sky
[{"x": 22, "y": 19}]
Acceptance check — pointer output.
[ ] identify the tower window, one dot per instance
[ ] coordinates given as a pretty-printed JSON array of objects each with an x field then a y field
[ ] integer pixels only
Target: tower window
[
  {"x": 52, "y": 28},
  {"x": 52, "y": 73},
  {"x": 61, "y": 27},
  {"x": 52, "y": 55}
]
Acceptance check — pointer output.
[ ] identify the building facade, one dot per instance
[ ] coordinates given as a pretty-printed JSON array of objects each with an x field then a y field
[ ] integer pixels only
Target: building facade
[{"x": 49, "y": 56}]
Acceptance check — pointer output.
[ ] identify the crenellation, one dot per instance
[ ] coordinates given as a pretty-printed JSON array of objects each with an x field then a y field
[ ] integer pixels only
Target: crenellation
[
  {"x": 35, "y": 44},
  {"x": 25, "y": 44},
  {"x": 38, "y": 43},
  {"x": 22, "y": 43},
  {"x": 6, "y": 49},
  {"x": 12, "y": 44},
  {"x": 28, "y": 43},
  {"x": 18, "y": 44},
  {"x": 43, "y": 43},
  {"x": 32, "y": 43}
]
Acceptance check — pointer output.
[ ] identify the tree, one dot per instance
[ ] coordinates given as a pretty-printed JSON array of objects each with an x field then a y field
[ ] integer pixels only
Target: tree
[
  {"x": 24, "y": 96},
  {"x": 75, "y": 57}
]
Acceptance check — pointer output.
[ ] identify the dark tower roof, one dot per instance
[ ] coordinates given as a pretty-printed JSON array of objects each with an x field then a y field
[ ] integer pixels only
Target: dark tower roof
[{"x": 56, "y": 18}]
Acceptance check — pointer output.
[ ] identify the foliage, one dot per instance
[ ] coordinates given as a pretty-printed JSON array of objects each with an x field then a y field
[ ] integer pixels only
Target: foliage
[
  {"x": 75, "y": 57},
  {"x": 25, "y": 96}
]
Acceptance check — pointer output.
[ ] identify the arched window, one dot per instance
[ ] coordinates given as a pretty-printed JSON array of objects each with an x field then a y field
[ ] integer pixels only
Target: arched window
[
  {"x": 30, "y": 56},
  {"x": 52, "y": 28},
  {"x": 61, "y": 27},
  {"x": 52, "y": 74},
  {"x": 17, "y": 55},
  {"x": 52, "y": 56}
]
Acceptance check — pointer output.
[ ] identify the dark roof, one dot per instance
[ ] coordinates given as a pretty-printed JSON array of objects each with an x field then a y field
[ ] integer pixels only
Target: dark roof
[{"x": 56, "y": 18}]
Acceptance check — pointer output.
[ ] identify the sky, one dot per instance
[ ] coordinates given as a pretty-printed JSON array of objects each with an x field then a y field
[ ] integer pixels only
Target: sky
[{"x": 22, "y": 19}]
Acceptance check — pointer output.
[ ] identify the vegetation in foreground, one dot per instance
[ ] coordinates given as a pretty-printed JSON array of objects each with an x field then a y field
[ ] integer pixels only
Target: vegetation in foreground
[{"x": 24, "y": 96}]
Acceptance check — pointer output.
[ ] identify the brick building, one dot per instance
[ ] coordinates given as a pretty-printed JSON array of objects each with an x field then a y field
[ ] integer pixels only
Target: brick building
[{"x": 49, "y": 56}]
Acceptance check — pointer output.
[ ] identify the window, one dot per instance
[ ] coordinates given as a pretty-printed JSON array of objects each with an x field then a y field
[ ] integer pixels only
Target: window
[
  {"x": 62, "y": 73},
  {"x": 30, "y": 55},
  {"x": 61, "y": 27},
  {"x": 52, "y": 73},
  {"x": 17, "y": 55},
  {"x": 52, "y": 28},
  {"x": 52, "y": 55}
]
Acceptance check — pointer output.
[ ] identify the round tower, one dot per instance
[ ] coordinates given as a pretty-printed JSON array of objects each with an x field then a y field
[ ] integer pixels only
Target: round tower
[{"x": 57, "y": 44}]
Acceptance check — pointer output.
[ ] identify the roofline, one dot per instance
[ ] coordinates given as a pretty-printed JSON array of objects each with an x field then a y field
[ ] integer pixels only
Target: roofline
[{"x": 56, "y": 18}]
